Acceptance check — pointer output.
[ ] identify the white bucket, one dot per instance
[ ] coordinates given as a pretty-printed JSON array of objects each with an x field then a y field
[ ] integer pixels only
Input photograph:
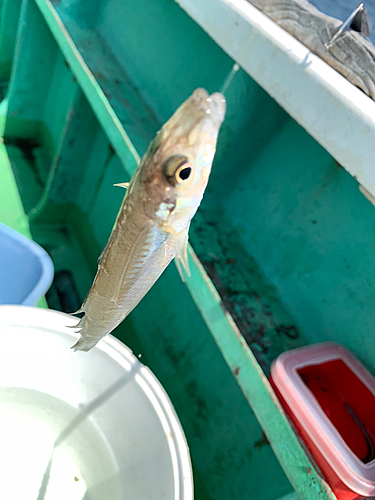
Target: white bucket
[{"x": 83, "y": 426}]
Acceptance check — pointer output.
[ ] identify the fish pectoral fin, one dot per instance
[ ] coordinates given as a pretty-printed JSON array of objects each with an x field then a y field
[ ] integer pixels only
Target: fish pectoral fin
[
  {"x": 124, "y": 185},
  {"x": 80, "y": 310},
  {"x": 180, "y": 241}
]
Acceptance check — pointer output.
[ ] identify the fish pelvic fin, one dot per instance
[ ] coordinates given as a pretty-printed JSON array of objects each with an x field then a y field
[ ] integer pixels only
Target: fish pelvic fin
[
  {"x": 124, "y": 185},
  {"x": 80, "y": 310},
  {"x": 180, "y": 241}
]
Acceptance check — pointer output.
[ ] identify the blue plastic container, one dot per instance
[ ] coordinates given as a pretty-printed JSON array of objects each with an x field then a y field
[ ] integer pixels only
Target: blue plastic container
[{"x": 26, "y": 270}]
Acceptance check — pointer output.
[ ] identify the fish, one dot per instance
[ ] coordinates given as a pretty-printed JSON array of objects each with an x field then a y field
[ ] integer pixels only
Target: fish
[{"x": 152, "y": 225}]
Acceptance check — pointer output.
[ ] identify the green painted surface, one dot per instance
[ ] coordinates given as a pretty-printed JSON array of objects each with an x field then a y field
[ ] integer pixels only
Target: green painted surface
[
  {"x": 90, "y": 87},
  {"x": 29, "y": 87},
  {"x": 9, "y": 16},
  {"x": 283, "y": 232},
  {"x": 312, "y": 236},
  {"x": 137, "y": 118},
  {"x": 168, "y": 61},
  {"x": 11, "y": 208}
]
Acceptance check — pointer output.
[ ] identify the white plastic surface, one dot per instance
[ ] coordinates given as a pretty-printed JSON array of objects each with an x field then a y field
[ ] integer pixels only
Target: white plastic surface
[
  {"x": 351, "y": 470},
  {"x": 83, "y": 426}
]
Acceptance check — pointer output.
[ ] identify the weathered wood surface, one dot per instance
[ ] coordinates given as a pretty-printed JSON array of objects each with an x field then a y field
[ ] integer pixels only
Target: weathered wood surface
[{"x": 353, "y": 55}]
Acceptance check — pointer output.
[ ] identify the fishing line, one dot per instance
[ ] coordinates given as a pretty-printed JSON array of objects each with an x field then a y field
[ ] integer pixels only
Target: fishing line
[{"x": 229, "y": 78}]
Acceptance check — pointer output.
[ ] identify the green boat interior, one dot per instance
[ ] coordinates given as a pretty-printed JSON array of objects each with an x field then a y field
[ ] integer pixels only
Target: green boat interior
[{"x": 284, "y": 240}]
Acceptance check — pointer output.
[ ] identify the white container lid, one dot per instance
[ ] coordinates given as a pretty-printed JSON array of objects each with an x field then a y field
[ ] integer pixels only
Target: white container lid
[
  {"x": 357, "y": 475},
  {"x": 82, "y": 425}
]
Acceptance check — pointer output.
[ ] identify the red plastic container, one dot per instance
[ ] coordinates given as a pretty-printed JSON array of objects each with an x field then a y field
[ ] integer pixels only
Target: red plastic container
[{"x": 330, "y": 397}]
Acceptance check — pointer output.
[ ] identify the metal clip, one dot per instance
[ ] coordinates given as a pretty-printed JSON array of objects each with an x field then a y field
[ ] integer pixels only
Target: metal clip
[{"x": 359, "y": 20}]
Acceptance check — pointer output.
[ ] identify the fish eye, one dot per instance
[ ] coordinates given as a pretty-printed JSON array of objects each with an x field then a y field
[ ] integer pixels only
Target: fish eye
[
  {"x": 177, "y": 169},
  {"x": 184, "y": 173}
]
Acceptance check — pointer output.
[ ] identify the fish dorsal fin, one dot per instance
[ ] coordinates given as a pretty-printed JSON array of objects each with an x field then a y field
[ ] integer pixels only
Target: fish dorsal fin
[{"x": 180, "y": 241}]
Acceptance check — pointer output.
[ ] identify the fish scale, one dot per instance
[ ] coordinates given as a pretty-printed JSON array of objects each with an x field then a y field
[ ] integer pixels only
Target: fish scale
[{"x": 153, "y": 222}]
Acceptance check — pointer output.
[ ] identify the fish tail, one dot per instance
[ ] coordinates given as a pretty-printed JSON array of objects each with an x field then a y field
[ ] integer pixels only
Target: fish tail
[
  {"x": 85, "y": 344},
  {"x": 86, "y": 341},
  {"x": 89, "y": 334}
]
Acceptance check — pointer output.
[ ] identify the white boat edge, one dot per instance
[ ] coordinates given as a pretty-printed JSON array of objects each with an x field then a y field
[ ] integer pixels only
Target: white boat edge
[{"x": 331, "y": 109}]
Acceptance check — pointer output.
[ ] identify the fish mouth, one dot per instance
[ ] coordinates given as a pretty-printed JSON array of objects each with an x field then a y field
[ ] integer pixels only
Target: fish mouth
[{"x": 213, "y": 105}]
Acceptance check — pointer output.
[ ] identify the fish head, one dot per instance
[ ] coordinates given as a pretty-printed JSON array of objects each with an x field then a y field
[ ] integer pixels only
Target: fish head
[{"x": 178, "y": 163}]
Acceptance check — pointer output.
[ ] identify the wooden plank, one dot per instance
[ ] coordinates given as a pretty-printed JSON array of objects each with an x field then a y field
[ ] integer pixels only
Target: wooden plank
[{"x": 353, "y": 55}]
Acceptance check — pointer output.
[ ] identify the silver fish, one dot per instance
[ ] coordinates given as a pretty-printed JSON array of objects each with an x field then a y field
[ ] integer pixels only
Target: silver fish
[{"x": 153, "y": 223}]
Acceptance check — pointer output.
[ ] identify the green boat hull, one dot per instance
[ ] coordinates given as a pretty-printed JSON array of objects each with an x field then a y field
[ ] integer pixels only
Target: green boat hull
[{"x": 283, "y": 241}]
